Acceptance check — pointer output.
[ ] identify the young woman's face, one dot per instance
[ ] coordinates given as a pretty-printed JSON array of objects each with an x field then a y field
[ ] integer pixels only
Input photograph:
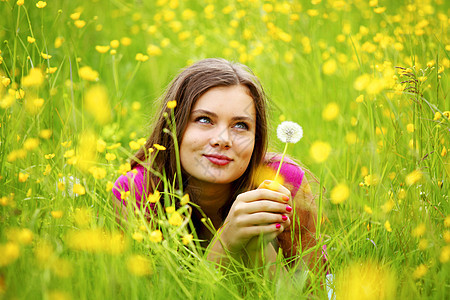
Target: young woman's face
[{"x": 219, "y": 138}]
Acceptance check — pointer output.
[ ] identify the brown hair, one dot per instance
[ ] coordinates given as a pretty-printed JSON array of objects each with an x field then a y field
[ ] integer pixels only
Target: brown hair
[{"x": 187, "y": 87}]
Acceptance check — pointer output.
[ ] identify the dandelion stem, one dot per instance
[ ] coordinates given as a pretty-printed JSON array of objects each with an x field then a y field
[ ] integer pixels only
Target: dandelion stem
[{"x": 281, "y": 161}]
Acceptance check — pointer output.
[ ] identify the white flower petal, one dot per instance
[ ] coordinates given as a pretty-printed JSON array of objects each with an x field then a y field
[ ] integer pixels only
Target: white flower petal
[{"x": 289, "y": 132}]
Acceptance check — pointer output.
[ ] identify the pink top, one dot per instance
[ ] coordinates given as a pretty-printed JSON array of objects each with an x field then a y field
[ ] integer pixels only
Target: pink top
[{"x": 290, "y": 171}]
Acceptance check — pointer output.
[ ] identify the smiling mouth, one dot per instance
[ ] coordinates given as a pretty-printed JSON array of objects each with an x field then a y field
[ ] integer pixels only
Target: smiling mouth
[{"x": 220, "y": 160}]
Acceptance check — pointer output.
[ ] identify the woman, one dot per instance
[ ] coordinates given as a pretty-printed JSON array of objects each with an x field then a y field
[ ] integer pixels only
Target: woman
[{"x": 221, "y": 125}]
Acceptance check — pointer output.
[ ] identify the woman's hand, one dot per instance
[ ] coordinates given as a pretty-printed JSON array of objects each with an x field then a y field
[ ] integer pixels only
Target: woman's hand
[{"x": 264, "y": 212}]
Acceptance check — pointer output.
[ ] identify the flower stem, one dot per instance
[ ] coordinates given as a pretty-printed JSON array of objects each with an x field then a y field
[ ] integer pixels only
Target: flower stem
[{"x": 281, "y": 161}]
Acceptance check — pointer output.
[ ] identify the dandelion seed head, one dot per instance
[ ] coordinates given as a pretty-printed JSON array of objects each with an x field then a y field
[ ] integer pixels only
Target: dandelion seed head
[{"x": 289, "y": 132}]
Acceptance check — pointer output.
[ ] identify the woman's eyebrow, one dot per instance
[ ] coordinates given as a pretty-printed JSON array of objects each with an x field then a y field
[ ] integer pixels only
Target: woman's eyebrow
[{"x": 212, "y": 114}]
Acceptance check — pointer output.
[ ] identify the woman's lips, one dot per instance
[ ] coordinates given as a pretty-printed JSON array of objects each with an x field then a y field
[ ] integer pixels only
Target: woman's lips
[{"x": 220, "y": 160}]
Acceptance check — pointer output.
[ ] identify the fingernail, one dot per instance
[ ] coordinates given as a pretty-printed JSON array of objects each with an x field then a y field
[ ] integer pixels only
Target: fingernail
[
  {"x": 288, "y": 208},
  {"x": 286, "y": 198},
  {"x": 278, "y": 226},
  {"x": 284, "y": 217}
]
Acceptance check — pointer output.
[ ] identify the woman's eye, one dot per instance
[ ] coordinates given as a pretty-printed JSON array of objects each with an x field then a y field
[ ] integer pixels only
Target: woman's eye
[
  {"x": 203, "y": 120},
  {"x": 241, "y": 125}
]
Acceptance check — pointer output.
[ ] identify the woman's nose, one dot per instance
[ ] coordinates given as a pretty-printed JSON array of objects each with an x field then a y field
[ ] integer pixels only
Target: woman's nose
[{"x": 221, "y": 138}]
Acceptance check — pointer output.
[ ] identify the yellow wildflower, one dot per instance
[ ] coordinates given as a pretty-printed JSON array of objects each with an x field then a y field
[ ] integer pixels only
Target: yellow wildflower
[
  {"x": 80, "y": 23},
  {"x": 413, "y": 177},
  {"x": 175, "y": 219},
  {"x": 49, "y": 156},
  {"x": 410, "y": 127},
  {"x": 186, "y": 239},
  {"x": 23, "y": 177},
  {"x": 41, "y": 4},
  {"x": 320, "y": 151},
  {"x": 134, "y": 145},
  {"x": 61, "y": 186},
  {"x": 20, "y": 2},
  {"x": 110, "y": 156},
  {"x": 423, "y": 244},
  {"x": 420, "y": 271},
  {"x": 367, "y": 209},
  {"x": 6, "y": 81},
  {"x": 153, "y": 198},
  {"x": 445, "y": 254},
  {"x": 87, "y": 73},
  {"x": 184, "y": 200},
  {"x": 388, "y": 206},
  {"x": 124, "y": 168},
  {"x": 339, "y": 193},
  {"x": 159, "y": 147},
  {"x": 329, "y": 67},
  {"x": 444, "y": 151},
  {"x": 141, "y": 57},
  {"x": 75, "y": 15},
  {"x": 20, "y": 94},
  {"x": 45, "y": 133},
  {"x": 137, "y": 236},
  {"x": 153, "y": 50},
  {"x": 102, "y": 49},
  {"x": 79, "y": 189},
  {"x": 331, "y": 111},
  {"x": 171, "y": 104},
  {"x": 155, "y": 236},
  {"x": 360, "y": 99},
  {"x": 30, "y": 144},
  {"x": 30, "y": 39},
  {"x": 419, "y": 230},
  {"x": 57, "y": 214},
  {"x": 379, "y": 10},
  {"x": 96, "y": 102},
  {"x": 114, "y": 44},
  {"x": 387, "y": 226},
  {"x": 138, "y": 265},
  {"x": 10, "y": 252},
  {"x": 45, "y": 55},
  {"x": 371, "y": 179}
]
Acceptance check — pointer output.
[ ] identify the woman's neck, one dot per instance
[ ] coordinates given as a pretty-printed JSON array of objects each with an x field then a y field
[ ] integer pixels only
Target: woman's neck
[{"x": 211, "y": 197}]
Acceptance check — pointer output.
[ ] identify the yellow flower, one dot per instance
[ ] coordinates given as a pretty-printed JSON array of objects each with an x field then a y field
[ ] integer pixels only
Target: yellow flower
[
  {"x": 49, "y": 156},
  {"x": 124, "y": 195},
  {"x": 156, "y": 236},
  {"x": 134, "y": 145},
  {"x": 320, "y": 151},
  {"x": 159, "y": 147},
  {"x": 366, "y": 280},
  {"x": 23, "y": 177},
  {"x": 45, "y": 55},
  {"x": 410, "y": 127},
  {"x": 97, "y": 172},
  {"x": 82, "y": 216},
  {"x": 137, "y": 236},
  {"x": 423, "y": 244},
  {"x": 87, "y": 73},
  {"x": 41, "y": 4},
  {"x": 187, "y": 239},
  {"x": 444, "y": 151},
  {"x": 9, "y": 253},
  {"x": 419, "y": 230},
  {"x": 141, "y": 57},
  {"x": 20, "y": 2},
  {"x": 110, "y": 156},
  {"x": 153, "y": 198},
  {"x": 171, "y": 104},
  {"x": 447, "y": 221},
  {"x": 379, "y": 10},
  {"x": 124, "y": 168},
  {"x": 22, "y": 236},
  {"x": 184, "y": 200},
  {"x": 114, "y": 44},
  {"x": 367, "y": 209},
  {"x": 30, "y": 39},
  {"x": 138, "y": 265},
  {"x": 102, "y": 49},
  {"x": 413, "y": 177},
  {"x": 360, "y": 99},
  {"x": 79, "y": 189},
  {"x": 388, "y": 206},
  {"x": 34, "y": 78},
  {"x": 339, "y": 193},
  {"x": 330, "y": 112},
  {"x": 445, "y": 254},
  {"x": 30, "y": 144},
  {"x": 371, "y": 179},
  {"x": 61, "y": 186},
  {"x": 175, "y": 219},
  {"x": 75, "y": 15},
  {"x": 96, "y": 102},
  {"x": 329, "y": 67},
  {"x": 6, "y": 81},
  {"x": 80, "y": 23},
  {"x": 153, "y": 50},
  {"x": 45, "y": 133},
  {"x": 58, "y": 42},
  {"x": 57, "y": 214},
  {"x": 48, "y": 169},
  {"x": 387, "y": 226},
  {"x": 420, "y": 271}
]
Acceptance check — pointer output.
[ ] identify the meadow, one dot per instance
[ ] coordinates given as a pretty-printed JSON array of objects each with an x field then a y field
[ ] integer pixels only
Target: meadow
[{"x": 368, "y": 80}]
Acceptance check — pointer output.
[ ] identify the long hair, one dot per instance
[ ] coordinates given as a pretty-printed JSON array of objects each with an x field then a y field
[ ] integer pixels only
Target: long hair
[{"x": 186, "y": 88}]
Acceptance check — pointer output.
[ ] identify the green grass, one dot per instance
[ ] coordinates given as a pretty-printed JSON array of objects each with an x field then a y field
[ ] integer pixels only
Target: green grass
[{"x": 305, "y": 61}]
